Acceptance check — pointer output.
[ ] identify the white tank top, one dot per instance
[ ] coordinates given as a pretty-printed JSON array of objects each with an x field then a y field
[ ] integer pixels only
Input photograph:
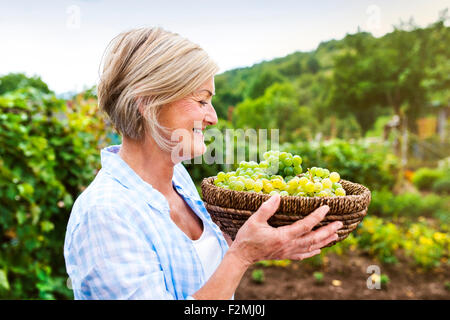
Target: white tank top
[{"x": 208, "y": 250}]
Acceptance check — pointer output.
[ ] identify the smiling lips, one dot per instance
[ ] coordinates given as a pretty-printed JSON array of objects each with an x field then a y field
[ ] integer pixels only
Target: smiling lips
[{"x": 198, "y": 131}]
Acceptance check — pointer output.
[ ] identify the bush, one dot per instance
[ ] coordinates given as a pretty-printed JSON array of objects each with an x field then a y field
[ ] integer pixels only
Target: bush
[
  {"x": 48, "y": 154},
  {"x": 385, "y": 203},
  {"x": 442, "y": 185},
  {"x": 424, "y": 178}
]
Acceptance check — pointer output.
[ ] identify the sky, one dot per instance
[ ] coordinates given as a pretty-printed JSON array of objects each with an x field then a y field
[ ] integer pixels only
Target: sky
[{"x": 63, "y": 41}]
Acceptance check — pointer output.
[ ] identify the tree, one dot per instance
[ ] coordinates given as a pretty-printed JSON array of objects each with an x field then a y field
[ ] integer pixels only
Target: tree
[{"x": 13, "y": 81}]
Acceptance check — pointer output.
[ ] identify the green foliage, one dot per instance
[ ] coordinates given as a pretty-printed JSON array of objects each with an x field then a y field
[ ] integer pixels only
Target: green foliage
[
  {"x": 262, "y": 82},
  {"x": 342, "y": 77},
  {"x": 14, "y": 81},
  {"x": 379, "y": 239},
  {"x": 258, "y": 276},
  {"x": 271, "y": 110},
  {"x": 442, "y": 185},
  {"x": 48, "y": 154},
  {"x": 385, "y": 203},
  {"x": 384, "y": 279},
  {"x": 369, "y": 164},
  {"x": 428, "y": 247},
  {"x": 318, "y": 277},
  {"x": 424, "y": 178}
]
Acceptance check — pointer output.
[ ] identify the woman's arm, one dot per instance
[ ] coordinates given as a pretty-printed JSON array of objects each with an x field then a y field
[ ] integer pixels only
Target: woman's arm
[{"x": 257, "y": 240}]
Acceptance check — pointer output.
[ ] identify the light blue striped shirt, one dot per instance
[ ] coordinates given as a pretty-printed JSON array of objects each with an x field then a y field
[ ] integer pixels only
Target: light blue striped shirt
[{"x": 121, "y": 242}]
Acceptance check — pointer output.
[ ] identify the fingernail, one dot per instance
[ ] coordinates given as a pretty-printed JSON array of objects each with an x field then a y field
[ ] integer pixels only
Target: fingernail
[
  {"x": 325, "y": 209},
  {"x": 339, "y": 225},
  {"x": 273, "y": 198}
]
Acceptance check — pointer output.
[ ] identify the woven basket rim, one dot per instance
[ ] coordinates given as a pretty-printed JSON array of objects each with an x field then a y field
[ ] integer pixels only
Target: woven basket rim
[{"x": 362, "y": 198}]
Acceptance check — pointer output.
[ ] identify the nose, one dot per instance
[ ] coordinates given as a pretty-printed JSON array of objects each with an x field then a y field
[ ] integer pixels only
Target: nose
[{"x": 211, "y": 115}]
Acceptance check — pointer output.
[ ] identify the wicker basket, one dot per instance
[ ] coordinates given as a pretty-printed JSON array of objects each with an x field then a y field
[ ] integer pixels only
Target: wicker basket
[{"x": 229, "y": 209}]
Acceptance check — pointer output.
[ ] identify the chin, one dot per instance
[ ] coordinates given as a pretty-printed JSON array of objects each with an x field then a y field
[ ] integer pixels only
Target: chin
[{"x": 198, "y": 150}]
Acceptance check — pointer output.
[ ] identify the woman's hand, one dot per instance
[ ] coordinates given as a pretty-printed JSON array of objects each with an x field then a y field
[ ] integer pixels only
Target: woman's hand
[{"x": 257, "y": 240}]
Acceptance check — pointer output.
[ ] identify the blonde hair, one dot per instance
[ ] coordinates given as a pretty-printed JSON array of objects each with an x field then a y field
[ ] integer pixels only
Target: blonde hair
[{"x": 149, "y": 68}]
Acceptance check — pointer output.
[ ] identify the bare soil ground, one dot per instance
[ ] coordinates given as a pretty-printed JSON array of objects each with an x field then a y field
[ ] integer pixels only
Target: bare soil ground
[{"x": 296, "y": 281}]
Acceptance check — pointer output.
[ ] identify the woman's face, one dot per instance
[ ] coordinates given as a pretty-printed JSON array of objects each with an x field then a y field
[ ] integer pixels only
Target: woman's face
[{"x": 187, "y": 118}]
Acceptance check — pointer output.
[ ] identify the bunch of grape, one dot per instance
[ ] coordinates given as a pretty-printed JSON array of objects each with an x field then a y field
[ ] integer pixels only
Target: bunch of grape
[{"x": 280, "y": 172}]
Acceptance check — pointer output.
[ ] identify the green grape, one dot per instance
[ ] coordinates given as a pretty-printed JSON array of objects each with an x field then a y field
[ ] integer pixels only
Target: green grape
[
  {"x": 249, "y": 184},
  {"x": 297, "y": 160},
  {"x": 279, "y": 173},
  {"x": 327, "y": 183},
  {"x": 241, "y": 179},
  {"x": 267, "y": 186},
  {"x": 230, "y": 174},
  {"x": 323, "y": 193},
  {"x": 221, "y": 176},
  {"x": 248, "y": 172},
  {"x": 340, "y": 192},
  {"x": 309, "y": 187},
  {"x": 294, "y": 182},
  {"x": 289, "y": 171},
  {"x": 283, "y": 155},
  {"x": 318, "y": 187},
  {"x": 302, "y": 181},
  {"x": 298, "y": 169},
  {"x": 273, "y": 192},
  {"x": 337, "y": 185},
  {"x": 258, "y": 185},
  {"x": 320, "y": 172},
  {"x": 279, "y": 184},
  {"x": 335, "y": 177},
  {"x": 287, "y": 161},
  {"x": 263, "y": 164},
  {"x": 253, "y": 164}
]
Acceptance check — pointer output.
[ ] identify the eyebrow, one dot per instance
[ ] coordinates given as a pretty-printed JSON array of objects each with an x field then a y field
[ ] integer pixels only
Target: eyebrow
[{"x": 210, "y": 93}]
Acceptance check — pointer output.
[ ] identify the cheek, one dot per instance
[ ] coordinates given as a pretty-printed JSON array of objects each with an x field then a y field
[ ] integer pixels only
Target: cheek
[{"x": 184, "y": 116}]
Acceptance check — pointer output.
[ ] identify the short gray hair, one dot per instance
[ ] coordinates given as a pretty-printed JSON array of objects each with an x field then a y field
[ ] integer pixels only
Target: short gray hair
[{"x": 148, "y": 68}]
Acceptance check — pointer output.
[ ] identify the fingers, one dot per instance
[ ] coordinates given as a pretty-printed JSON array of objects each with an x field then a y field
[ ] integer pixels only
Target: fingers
[
  {"x": 301, "y": 256},
  {"x": 312, "y": 239},
  {"x": 306, "y": 224},
  {"x": 267, "y": 209}
]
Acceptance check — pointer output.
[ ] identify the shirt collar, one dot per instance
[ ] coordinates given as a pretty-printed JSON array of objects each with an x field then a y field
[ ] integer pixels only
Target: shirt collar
[{"x": 114, "y": 165}]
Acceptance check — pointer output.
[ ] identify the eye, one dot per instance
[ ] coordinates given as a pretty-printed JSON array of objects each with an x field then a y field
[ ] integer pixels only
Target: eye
[{"x": 203, "y": 103}]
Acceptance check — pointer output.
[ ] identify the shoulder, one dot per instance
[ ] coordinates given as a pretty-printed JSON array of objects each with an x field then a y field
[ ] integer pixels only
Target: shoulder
[
  {"x": 106, "y": 199},
  {"x": 104, "y": 191}
]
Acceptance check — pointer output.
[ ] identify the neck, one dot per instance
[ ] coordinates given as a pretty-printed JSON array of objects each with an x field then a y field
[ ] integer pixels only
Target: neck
[{"x": 150, "y": 163}]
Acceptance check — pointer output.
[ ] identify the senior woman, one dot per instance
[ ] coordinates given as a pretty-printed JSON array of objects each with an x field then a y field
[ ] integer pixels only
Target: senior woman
[{"x": 140, "y": 230}]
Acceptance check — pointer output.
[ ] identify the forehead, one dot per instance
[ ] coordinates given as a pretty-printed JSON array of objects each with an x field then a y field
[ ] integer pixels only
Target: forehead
[{"x": 207, "y": 87}]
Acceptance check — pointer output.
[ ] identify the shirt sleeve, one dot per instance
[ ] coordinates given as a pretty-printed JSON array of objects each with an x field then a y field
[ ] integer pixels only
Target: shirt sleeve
[{"x": 114, "y": 260}]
